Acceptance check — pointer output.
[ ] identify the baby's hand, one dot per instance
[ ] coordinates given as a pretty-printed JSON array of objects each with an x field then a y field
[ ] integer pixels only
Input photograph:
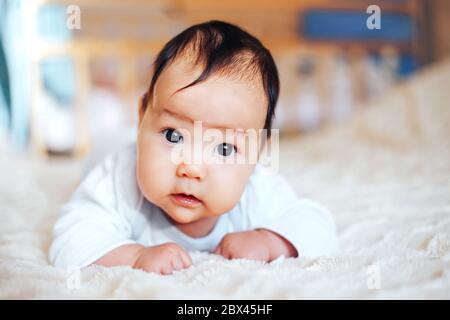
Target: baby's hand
[
  {"x": 163, "y": 259},
  {"x": 255, "y": 245}
]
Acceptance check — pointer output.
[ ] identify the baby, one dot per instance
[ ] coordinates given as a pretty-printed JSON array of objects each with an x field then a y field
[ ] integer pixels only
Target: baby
[{"x": 151, "y": 203}]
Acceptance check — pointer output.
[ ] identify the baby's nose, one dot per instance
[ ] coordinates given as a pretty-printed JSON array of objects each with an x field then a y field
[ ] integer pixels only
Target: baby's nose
[{"x": 192, "y": 171}]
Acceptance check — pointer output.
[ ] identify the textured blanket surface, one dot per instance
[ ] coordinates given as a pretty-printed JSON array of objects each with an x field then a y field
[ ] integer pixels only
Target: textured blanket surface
[{"x": 384, "y": 175}]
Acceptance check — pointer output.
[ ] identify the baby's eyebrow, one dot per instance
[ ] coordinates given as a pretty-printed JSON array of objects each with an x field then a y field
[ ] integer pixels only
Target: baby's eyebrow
[
  {"x": 188, "y": 119},
  {"x": 177, "y": 115}
]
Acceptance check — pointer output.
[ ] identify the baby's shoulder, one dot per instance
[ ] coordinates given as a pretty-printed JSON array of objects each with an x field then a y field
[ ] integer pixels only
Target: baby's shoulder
[
  {"x": 116, "y": 176},
  {"x": 266, "y": 188},
  {"x": 123, "y": 159},
  {"x": 124, "y": 175},
  {"x": 264, "y": 179}
]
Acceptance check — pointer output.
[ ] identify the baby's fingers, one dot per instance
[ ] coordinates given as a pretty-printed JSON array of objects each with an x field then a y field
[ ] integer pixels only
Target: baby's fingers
[
  {"x": 218, "y": 249},
  {"x": 223, "y": 251},
  {"x": 166, "y": 269},
  {"x": 185, "y": 258},
  {"x": 177, "y": 263}
]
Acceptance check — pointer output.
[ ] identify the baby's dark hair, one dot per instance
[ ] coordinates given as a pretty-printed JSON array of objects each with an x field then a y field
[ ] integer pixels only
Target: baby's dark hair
[{"x": 222, "y": 49}]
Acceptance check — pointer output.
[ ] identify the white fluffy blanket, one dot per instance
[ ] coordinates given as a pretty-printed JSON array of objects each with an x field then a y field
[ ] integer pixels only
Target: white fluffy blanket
[{"x": 385, "y": 175}]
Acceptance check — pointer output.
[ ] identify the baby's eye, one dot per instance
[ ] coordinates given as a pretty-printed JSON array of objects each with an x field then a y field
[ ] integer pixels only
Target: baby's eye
[
  {"x": 172, "y": 135},
  {"x": 226, "y": 149}
]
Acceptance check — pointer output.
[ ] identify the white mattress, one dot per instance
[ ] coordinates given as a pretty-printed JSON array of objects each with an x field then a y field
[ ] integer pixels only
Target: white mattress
[{"x": 385, "y": 175}]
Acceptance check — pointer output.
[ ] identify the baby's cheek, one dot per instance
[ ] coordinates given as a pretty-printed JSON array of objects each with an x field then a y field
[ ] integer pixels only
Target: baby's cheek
[
  {"x": 153, "y": 174},
  {"x": 227, "y": 189}
]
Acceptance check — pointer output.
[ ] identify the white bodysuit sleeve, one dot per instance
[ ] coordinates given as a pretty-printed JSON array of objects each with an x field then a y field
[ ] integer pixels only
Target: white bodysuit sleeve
[
  {"x": 272, "y": 204},
  {"x": 96, "y": 219}
]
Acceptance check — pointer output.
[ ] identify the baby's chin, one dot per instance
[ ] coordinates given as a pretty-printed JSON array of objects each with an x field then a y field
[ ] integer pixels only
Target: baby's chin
[
  {"x": 182, "y": 215},
  {"x": 185, "y": 216}
]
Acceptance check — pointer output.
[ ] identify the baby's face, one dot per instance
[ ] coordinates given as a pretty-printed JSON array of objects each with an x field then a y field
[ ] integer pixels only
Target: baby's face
[{"x": 188, "y": 188}]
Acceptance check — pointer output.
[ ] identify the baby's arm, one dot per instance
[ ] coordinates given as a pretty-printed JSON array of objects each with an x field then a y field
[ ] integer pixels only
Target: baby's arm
[
  {"x": 163, "y": 259},
  {"x": 124, "y": 255},
  {"x": 261, "y": 244}
]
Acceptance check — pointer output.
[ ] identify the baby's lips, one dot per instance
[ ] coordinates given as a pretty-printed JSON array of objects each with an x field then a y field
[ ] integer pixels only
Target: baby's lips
[
  {"x": 184, "y": 193},
  {"x": 185, "y": 200},
  {"x": 180, "y": 191}
]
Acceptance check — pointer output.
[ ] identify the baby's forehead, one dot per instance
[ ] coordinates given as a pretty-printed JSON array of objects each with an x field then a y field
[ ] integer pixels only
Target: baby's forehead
[
  {"x": 219, "y": 100},
  {"x": 184, "y": 70}
]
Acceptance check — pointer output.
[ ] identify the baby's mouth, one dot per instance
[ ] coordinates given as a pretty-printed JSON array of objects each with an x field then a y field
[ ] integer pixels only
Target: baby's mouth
[{"x": 185, "y": 200}]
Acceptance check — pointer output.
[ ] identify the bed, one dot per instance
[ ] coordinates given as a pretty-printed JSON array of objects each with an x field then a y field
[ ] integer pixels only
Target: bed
[{"x": 385, "y": 175}]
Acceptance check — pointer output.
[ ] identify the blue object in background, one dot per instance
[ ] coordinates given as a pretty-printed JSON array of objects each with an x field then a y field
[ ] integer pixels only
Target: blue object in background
[
  {"x": 408, "y": 65},
  {"x": 58, "y": 73},
  {"x": 18, "y": 66},
  {"x": 351, "y": 25},
  {"x": 58, "y": 76},
  {"x": 52, "y": 23},
  {"x": 5, "y": 92},
  {"x": 341, "y": 25}
]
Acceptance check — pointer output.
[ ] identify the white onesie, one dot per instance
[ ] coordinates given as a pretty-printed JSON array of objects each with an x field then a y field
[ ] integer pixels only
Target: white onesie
[{"x": 108, "y": 210}]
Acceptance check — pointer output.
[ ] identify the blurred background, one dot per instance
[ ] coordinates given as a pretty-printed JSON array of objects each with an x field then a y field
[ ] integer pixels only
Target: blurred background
[{"x": 71, "y": 71}]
